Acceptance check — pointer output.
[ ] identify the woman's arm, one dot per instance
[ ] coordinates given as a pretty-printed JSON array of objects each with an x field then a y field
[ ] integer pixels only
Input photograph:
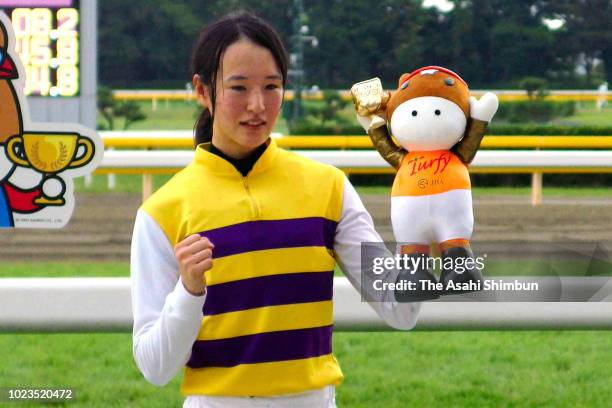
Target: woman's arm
[
  {"x": 355, "y": 227},
  {"x": 167, "y": 318}
]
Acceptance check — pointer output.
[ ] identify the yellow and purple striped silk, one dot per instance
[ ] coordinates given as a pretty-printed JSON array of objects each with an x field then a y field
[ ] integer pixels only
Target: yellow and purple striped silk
[{"x": 268, "y": 315}]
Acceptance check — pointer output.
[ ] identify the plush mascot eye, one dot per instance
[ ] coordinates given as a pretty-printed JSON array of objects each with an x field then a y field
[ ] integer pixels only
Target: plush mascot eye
[
  {"x": 405, "y": 85},
  {"x": 449, "y": 81}
]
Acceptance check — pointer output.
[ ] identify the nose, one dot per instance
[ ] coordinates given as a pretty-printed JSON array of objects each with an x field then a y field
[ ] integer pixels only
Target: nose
[{"x": 256, "y": 102}]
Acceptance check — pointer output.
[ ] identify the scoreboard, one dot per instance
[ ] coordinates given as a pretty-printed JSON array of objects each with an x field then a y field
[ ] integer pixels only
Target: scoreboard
[
  {"x": 47, "y": 36},
  {"x": 57, "y": 44}
]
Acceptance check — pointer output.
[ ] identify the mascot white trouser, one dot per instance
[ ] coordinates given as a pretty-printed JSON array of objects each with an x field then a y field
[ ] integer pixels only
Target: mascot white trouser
[{"x": 432, "y": 218}]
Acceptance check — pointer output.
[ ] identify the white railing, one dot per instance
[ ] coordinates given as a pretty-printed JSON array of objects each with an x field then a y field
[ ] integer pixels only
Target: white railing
[
  {"x": 104, "y": 305},
  {"x": 494, "y": 161},
  {"x": 510, "y": 159}
]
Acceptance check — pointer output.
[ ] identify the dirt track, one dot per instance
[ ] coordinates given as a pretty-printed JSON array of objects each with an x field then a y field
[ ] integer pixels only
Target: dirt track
[{"x": 102, "y": 225}]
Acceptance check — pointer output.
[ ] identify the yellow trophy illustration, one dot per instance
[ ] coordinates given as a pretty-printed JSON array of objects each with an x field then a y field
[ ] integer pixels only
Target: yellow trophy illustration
[{"x": 50, "y": 154}]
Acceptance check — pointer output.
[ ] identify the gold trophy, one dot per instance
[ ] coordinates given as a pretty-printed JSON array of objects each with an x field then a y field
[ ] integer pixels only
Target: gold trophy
[
  {"x": 50, "y": 154},
  {"x": 369, "y": 98}
]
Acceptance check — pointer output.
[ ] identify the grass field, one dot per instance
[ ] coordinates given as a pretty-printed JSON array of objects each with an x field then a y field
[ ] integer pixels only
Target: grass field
[
  {"x": 436, "y": 369},
  {"x": 588, "y": 115},
  {"x": 422, "y": 369},
  {"x": 171, "y": 115},
  {"x": 493, "y": 267}
]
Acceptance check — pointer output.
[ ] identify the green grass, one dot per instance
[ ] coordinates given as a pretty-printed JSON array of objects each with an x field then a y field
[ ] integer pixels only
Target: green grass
[
  {"x": 171, "y": 115},
  {"x": 63, "y": 269},
  {"x": 174, "y": 115},
  {"x": 434, "y": 369},
  {"x": 546, "y": 191},
  {"x": 588, "y": 115},
  {"x": 493, "y": 267},
  {"x": 428, "y": 369}
]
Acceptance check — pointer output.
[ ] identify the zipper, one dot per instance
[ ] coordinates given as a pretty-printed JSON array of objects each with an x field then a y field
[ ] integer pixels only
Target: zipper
[{"x": 254, "y": 206}]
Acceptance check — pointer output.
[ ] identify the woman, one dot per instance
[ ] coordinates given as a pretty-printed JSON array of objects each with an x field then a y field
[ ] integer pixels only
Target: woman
[{"x": 232, "y": 260}]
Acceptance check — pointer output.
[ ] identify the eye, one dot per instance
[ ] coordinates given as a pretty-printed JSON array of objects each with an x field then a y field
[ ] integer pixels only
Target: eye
[
  {"x": 405, "y": 85},
  {"x": 449, "y": 81},
  {"x": 437, "y": 112},
  {"x": 238, "y": 88},
  {"x": 414, "y": 113},
  {"x": 272, "y": 86}
]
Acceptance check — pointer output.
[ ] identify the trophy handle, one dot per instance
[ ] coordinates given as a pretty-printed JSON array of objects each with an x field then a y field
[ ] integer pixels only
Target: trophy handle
[
  {"x": 89, "y": 150},
  {"x": 10, "y": 151}
]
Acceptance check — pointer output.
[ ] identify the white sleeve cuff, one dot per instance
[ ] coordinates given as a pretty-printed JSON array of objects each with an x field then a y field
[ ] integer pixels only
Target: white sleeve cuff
[{"x": 185, "y": 303}]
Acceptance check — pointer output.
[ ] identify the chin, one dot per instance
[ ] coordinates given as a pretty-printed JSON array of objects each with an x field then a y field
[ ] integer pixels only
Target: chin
[{"x": 255, "y": 138}]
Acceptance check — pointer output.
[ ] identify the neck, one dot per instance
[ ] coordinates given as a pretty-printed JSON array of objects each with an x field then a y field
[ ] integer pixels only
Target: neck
[{"x": 242, "y": 164}]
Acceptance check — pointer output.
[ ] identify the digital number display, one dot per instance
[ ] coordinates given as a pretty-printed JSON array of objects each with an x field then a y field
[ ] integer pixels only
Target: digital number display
[{"x": 47, "y": 41}]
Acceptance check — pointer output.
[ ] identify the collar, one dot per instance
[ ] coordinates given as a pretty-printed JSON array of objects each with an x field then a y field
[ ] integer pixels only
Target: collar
[{"x": 217, "y": 164}]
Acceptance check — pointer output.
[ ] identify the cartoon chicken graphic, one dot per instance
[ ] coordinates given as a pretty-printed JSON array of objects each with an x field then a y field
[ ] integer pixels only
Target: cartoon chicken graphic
[{"x": 12, "y": 198}]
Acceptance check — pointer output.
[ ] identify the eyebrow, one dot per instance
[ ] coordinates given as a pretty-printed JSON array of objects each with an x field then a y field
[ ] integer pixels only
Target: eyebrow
[{"x": 242, "y": 77}]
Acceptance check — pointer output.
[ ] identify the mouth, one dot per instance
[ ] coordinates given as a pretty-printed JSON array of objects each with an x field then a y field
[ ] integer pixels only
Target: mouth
[
  {"x": 7, "y": 74},
  {"x": 253, "y": 123}
]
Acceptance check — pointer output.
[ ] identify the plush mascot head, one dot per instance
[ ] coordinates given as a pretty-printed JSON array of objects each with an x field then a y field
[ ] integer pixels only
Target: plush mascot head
[{"x": 429, "y": 110}]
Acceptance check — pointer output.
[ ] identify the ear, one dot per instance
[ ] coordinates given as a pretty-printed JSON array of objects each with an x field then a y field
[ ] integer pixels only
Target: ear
[
  {"x": 402, "y": 79},
  {"x": 202, "y": 92}
]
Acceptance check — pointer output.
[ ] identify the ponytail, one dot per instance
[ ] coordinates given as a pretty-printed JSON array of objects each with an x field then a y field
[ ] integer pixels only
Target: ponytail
[{"x": 203, "y": 128}]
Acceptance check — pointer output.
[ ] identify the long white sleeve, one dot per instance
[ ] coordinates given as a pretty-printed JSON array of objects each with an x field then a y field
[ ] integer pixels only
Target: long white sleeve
[
  {"x": 356, "y": 226},
  {"x": 167, "y": 318}
]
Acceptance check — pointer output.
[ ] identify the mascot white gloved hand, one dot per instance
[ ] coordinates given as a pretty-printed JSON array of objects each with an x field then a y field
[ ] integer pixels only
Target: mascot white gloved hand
[{"x": 439, "y": 128}]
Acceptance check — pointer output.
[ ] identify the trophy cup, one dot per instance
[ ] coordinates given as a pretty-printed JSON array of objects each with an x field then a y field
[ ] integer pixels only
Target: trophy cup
[
  {"x": 50, "y": 154},
  {"x": 369, "y": 98}
]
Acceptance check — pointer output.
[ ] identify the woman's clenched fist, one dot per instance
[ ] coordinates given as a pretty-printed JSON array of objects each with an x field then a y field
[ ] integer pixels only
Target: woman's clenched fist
[{"x": 194, "y": 256}]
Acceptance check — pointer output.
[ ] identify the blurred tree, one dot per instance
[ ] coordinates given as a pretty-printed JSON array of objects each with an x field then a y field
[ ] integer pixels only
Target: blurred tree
[
  {"x": 112, "y": 109},
  {"x": 106, "y": 106},
  {"x": 536, "y": 87},
  {"x": 586, "y": 34},
  {"x": 145, "y": 41},
  {"x": 148, "y": 43},
  {"x": 131, "y": 112},
  {"x": 460, "y": 40},
  {"x": 361, "y": 39}
]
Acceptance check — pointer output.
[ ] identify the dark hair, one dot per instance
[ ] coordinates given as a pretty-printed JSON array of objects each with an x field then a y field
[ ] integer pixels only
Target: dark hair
[{"x": 212, "y": 43}]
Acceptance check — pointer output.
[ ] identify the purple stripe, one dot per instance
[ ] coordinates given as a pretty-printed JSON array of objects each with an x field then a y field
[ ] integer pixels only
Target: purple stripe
[
  {"x": 262, "y": 348},
  {"x": 269, "y": 291},
  {"x": 260, "y": 235}
]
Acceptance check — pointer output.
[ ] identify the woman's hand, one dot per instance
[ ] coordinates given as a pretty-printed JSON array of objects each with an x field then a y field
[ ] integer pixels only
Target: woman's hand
[{"x": 194, "y": 256}]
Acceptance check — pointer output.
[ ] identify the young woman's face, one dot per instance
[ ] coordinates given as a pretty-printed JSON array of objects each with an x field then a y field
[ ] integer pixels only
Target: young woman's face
[{"x": 248, "y": 100}]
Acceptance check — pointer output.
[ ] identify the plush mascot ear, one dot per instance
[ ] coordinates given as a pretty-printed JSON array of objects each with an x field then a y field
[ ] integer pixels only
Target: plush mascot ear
[{"x": 402, "y": 79}]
